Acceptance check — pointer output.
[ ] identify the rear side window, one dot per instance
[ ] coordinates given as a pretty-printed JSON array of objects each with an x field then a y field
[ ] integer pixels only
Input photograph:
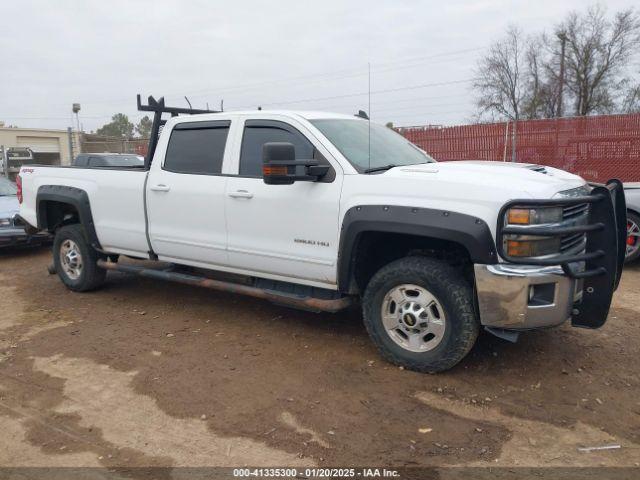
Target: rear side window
[
  {"x": 259, "y": 132},
  {"x": 197, "y": 147}
]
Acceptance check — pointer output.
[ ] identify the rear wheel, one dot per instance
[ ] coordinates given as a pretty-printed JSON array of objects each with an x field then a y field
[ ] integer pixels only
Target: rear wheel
[
  {"x": 75, "y": 260},
  {"x": 420, "y": 314},
  {"x": 633, "y": 237}
]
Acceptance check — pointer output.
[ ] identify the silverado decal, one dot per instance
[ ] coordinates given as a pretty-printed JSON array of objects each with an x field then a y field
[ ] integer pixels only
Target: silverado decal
[{"x": 319, "y": 243}]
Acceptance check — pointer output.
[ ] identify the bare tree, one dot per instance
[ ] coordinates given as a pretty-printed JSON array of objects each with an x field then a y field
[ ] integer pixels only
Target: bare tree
[
  {"x": 541, "y": 81},
  {"x": 520, "y": 77},
  {"x": 500, "y": 77},
  {"x": 631, "y": 102},
  {"x": 598, "y": 50},
  {"x": 516, "y": 79}
]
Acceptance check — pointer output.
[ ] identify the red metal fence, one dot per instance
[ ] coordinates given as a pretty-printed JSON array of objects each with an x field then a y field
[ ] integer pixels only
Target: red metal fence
[{"x": 597, "y": 148}]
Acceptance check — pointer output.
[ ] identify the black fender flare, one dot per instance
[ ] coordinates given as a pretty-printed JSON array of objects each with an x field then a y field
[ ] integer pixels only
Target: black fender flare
[
  {"x": 470, "y": 232},
  {"x": 73, "y": 196}
]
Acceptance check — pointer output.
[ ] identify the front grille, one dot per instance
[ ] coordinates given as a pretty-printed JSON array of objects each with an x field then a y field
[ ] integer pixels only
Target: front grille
[
  {"x": 575, "y": 211},
  {"x": 568, "y": 243},
  {"x": 577, "y": 214}
]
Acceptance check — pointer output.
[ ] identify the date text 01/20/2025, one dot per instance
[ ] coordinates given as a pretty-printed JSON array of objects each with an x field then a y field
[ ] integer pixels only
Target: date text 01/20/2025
[{"x": 316, "y": 472}]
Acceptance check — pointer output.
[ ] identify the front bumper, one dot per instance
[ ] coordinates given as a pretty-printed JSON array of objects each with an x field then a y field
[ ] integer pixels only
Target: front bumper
[
  {"x": 536, "y": 292},
  {"x": 523, "y": 297}
]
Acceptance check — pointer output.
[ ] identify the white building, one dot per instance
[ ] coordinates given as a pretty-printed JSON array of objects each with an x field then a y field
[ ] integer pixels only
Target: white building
[{"x": 49, "y": 147}]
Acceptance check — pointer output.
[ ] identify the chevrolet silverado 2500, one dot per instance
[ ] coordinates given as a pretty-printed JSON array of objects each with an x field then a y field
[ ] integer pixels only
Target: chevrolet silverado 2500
[{"x": 321, "y": 211}]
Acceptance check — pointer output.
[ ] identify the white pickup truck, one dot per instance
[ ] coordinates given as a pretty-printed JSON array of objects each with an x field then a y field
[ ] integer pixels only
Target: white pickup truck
[{"x": 322, "y": 211}]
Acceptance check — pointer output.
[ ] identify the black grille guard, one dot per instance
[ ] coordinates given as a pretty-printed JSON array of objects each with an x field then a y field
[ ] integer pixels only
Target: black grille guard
[{"x": 603, "y": 257}]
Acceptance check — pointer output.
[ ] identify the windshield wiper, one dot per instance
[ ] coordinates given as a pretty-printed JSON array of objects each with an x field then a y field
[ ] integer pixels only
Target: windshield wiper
[{"x": 380, "y": 169}]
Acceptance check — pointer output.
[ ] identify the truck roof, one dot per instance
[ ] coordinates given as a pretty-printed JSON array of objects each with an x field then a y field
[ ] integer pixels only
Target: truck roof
[{"x": 306, "y": 114}]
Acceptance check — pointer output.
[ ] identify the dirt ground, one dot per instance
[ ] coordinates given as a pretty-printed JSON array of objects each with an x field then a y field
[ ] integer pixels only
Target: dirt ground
[{"x": 145, "y": 373}]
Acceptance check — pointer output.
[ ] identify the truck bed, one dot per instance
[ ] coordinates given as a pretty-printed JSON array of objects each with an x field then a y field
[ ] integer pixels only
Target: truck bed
[{"x": 115, "y": 196}]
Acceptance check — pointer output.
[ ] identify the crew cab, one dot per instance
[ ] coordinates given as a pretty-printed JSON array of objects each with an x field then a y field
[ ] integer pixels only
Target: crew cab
[{"x": 323, "y": 211}]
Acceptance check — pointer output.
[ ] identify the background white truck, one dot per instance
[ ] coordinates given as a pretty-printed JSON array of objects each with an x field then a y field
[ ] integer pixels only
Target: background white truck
[{"x": 322, "y": 211}]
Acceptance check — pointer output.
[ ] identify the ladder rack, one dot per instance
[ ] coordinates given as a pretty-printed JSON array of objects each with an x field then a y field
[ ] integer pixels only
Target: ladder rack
[{"x": 158, "y": 108}]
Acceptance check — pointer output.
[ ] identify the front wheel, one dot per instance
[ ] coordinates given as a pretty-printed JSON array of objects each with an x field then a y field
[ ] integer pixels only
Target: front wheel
[
  {"x": 420, "y": 314},
  {"x": 633, "y": 237},
  {"x": 75, "y": 260}
]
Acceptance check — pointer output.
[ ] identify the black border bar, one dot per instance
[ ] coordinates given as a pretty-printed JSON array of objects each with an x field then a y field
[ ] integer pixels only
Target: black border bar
[{"x": 603, "y": 258}]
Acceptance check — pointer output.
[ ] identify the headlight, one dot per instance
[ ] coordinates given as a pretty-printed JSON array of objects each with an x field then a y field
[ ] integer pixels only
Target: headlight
[
  {"x": 517, "y": 246},
  {"x": 534, "y": 216},
  {"x": 5, "y": 222},
  {"x": 530, "y": 246}
]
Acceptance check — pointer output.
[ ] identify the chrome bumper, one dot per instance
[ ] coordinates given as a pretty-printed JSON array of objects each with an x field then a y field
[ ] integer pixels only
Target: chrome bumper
[{"x": 521, "y": 297}]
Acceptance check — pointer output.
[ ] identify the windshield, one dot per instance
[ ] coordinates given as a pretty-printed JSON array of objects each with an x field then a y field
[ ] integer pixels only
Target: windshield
[
  {"x": 6, "y": 188},
  {"x": 387, "y": 147}
]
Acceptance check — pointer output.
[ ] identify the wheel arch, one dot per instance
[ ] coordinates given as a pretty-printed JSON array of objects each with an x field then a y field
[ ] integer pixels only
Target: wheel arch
[
  {"x": 635, "y": 211},
  {"x": 416, "y": 228},
  {"x": 58, "y": 205}
]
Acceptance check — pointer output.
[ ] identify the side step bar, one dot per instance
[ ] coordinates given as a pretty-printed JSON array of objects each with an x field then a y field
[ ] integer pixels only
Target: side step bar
[{"x": 304, "y": 303}]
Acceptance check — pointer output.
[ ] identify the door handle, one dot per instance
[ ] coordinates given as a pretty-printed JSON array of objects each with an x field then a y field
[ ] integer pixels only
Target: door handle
[
  {"x": 241, "y": 194},
  {"x": 160, "y": 188}
]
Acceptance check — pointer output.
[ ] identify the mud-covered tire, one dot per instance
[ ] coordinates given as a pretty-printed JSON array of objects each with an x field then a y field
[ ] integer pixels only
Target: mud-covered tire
[
  {"x": 88, "y": 276},
  {"x": 453, "y": 293}
]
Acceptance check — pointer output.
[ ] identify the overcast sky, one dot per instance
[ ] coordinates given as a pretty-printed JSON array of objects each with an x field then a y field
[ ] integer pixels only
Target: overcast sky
[{"x": 306, "y": 55}]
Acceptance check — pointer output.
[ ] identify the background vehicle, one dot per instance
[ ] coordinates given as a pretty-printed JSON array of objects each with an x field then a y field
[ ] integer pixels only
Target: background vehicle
[
  {"x": 13, "y": 158},
  {"x": 319, "y": 211},
  {"x": 11, "y": 228},
  {"x": 108, "y": 160},
  {"x": 632, "y": 195}
]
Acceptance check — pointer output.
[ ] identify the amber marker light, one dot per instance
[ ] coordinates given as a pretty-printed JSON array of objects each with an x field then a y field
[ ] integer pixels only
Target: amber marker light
[{"x": 519, "y": 216}]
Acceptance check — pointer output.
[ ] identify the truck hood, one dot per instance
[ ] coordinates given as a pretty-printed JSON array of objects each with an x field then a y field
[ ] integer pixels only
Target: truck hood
[
  {"x": 524, "y": 179},
  {"x": 9, "y": 206},
  {"x": 479, "y": 189}
]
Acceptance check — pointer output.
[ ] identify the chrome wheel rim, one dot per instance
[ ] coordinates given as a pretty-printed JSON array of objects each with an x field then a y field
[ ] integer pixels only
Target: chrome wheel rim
[
  {"x": 71, "y": 259},
  {"x": 413, "y": 318},
  {"x": 633, "y": 237}
]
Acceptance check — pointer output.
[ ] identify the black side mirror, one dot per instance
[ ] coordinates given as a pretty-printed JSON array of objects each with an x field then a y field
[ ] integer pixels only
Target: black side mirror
[{"x": 279, "y": 165}]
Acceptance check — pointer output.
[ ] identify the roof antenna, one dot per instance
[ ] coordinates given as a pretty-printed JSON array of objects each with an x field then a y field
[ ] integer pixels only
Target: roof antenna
[
  {"x": 185, "y": 97},
  {"x": 222, "y": 105}
]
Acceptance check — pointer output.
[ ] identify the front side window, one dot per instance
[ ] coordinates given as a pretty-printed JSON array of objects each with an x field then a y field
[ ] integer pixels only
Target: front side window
[
  {"x": 257, "y": 133},
  {"x": 197, "y": 147},
  {"x": 369, "y": 145}
]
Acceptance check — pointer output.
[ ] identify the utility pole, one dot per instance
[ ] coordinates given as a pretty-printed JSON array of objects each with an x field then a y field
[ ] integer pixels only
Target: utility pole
[
  {"x": 514, "y": 139},
  {"x": 563, "y": 40},
  {"x": 70, "y": 134},
  {"x": 75, "y": 108}
]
